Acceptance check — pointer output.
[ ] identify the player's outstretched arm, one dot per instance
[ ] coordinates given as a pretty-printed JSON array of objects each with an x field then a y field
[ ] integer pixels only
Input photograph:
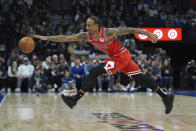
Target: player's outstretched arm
[
  {"x": 64, "y": 38},
  {"x": 130, "y": 30}
]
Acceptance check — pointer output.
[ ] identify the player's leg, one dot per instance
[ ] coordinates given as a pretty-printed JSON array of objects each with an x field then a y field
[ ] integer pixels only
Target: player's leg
[
  {"x": 132, "y": 70},
  {"x": 110, "y": 66},
  {"x": 89, "y": 83}
]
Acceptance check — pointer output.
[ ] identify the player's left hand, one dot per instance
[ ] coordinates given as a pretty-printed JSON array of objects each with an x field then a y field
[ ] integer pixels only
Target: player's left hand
[{"x": 153, "y": 38}]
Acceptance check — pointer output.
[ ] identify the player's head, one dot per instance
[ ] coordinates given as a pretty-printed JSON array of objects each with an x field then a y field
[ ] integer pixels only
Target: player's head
[{"x": 93, "y": 24}]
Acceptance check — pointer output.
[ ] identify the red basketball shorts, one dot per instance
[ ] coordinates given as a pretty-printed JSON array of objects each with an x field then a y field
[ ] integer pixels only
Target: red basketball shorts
[{"x": 121, "y": 61}]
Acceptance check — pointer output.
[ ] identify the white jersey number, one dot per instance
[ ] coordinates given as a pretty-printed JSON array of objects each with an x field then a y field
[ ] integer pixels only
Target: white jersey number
[{"x": 109, "y": 65}]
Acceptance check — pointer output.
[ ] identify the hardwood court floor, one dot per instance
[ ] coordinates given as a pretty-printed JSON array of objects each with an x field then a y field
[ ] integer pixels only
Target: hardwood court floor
[{"x": 96, "y": 112}]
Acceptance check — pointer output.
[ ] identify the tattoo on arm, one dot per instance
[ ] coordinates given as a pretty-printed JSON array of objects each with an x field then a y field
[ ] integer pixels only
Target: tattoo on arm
[
  {"x": 124, "y": 31},
  {"x": 70, "y": 38}
]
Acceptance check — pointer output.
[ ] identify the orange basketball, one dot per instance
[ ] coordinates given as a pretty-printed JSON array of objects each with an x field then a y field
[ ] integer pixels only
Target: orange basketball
[{"x": 26, "y": 44}]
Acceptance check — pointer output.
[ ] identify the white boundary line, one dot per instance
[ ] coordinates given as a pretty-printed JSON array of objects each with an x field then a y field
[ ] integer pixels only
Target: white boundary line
[{"x": 3, "y": 100}]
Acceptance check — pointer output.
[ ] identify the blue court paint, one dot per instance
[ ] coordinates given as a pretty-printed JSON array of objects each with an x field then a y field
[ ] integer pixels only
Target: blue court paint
[
  {"x": 2, "y": 97},
  {"x": 186, "y": 93}
]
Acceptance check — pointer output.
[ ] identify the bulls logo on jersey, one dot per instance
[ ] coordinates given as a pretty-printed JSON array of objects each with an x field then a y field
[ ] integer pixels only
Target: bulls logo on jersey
[
  {"x": 101, "y": 39},
  {"x": 110, "y": 48}
]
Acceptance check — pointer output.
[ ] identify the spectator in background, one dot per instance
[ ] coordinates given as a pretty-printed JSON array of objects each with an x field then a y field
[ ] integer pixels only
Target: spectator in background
[
  {"x": 155, "y": 72},
  {"x": 130, "y": 86},
  {"x": 133, "y": 45},
  {"x": 61, "y": 56},
  {"x": 38, "y": 81},
  {"x": 53, "y": 77},
  {"x": 85, "y": 62},
  {"x": 78, "y": 73},
  {"x": 68, "y": 82},
  {"x": 13, "y": 76},
  {"x": 55, "y": 59},
  {"x": 117, "y": 84},
  {"x": 153, "y": 12},
  {"x": 163, "y": 55},
  {"x": 43, "y": 70},
  {"x": 61, "y": 70},
  {"x": 163, "y": 16},
  {"x": 143, "y": 61},
  {"x": 34, "y": 58},
  {"x": 105, "y": 78},
  {"x": 126, "y": 43},
  {"x": 35, "y": 61},
  {"x": 3, "y": 74},
  {"x": 82, "y": 58},
  {"x": 167, "y": 75},
  {"x": 170, "y": 21},
  {"x": 25, "y": 72},
  {"x": 191, "y": 70},
  {"x": 63, "y": 67},
  {"x": 47, "y": 62},
  {"x": 88, "y": 67},
  {"x": 97, "y": 60},
  {"x": 20, "y": 59},
  {"x": 184, "y": 77},
  {"x": 13, "y": 56},
  {"x": 72, "y": 60}
]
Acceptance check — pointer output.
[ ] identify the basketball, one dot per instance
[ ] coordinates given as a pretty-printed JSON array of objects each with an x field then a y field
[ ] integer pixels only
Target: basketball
[{"x": 26, "y": 44}]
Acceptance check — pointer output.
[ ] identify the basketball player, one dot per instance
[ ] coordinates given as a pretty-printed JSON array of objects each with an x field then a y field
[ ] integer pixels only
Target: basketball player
[{"x": 105, "y": 39}]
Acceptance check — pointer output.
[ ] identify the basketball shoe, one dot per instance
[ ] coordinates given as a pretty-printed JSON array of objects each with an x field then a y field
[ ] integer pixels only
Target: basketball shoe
[
  {"x": 168, "y": 102},
  {"x": 70, "y": 101}
]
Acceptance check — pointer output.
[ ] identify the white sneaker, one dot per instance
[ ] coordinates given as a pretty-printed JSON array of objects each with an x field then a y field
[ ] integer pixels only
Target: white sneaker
[
  {"x": 55, "y": 86},
  {"x": 64, "y": 92},
  {"x": 132, "y": 88}
]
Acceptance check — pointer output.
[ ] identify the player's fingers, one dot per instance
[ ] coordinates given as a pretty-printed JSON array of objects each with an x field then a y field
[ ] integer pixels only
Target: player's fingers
[
  {"x": 155, "y": 40},
  {"x": 40, "y": 37},
  {"x": 152, "y": 40},
  {"x": 155, "y": 37},
  {"x": 36, "y": 36}
]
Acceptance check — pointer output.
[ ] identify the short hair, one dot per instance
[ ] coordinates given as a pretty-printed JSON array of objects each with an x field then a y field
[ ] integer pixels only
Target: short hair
[
  {"x": 96, "y": 20},
  {"x": 63, "y": 60},
  {"x": 54, "y": 56}
]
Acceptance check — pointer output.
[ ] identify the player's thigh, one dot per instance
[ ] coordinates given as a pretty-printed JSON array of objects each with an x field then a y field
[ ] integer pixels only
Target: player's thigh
[
  {"x": 131, "y": 69},
  {"x": 114, "y": 64}
]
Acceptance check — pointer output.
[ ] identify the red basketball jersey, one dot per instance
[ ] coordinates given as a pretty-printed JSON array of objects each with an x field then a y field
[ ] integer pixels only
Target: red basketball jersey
[
  {"x": 120, "y": 57},
  {"x": 110, "y": 48}
]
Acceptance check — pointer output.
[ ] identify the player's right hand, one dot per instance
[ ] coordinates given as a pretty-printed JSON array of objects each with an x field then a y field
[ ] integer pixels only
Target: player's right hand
[
  {"x": 40, "y": 37},
  {"x": 153, "y": 38}
]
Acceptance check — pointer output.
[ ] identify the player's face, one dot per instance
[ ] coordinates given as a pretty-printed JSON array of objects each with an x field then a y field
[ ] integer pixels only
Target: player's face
[{"x": 91, "y": 26}]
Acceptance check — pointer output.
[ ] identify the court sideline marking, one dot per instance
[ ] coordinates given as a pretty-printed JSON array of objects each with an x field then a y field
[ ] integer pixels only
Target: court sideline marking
[{"x": 2, "y": 99}]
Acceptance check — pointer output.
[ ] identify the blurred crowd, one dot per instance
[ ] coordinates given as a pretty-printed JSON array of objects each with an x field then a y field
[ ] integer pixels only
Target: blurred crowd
[
  {"x": 65, "y": 65},
  {"x": 29, "y": 73},
  {"x": 20, "y": 17},
  {"x": 137, "y": 13},
  {"x": 188, "y": 76}
]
